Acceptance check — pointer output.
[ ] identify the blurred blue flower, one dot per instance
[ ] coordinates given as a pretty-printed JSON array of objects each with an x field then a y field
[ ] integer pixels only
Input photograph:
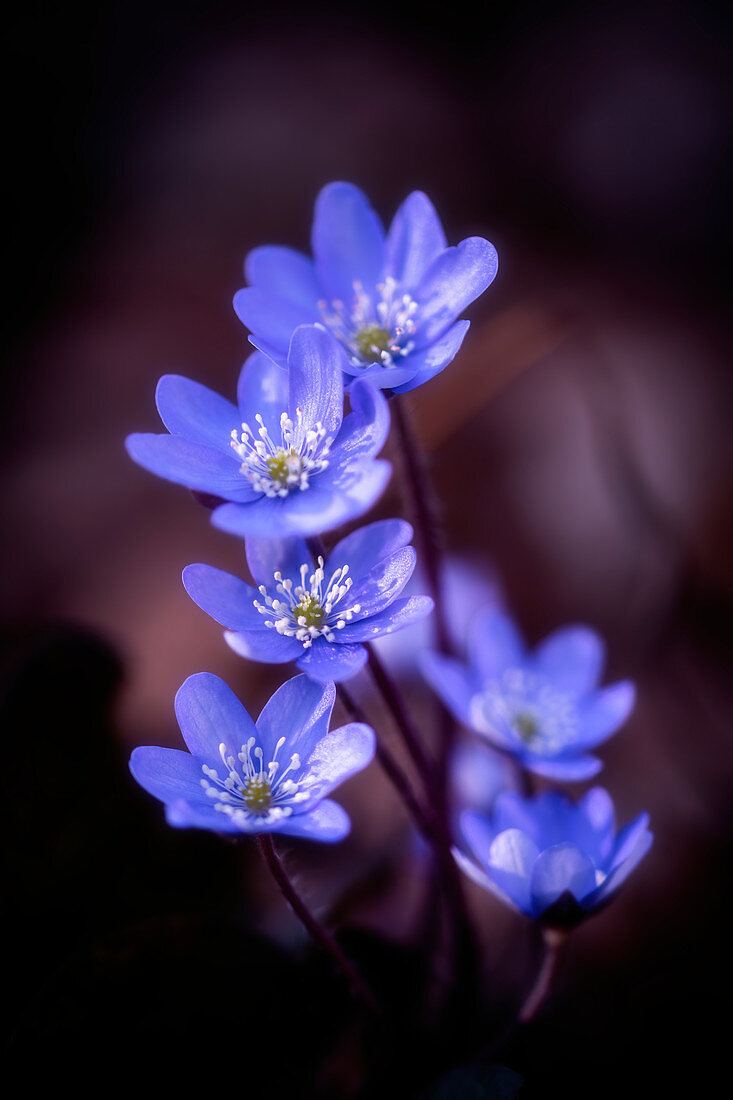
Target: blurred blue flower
[
  {"x": 317, "y": 614},
  {"x": 555, "y": 860},
  {"x": 268, "y": 777},
  {"x": 392, "y": 301},
  {"x": 286, "y": 460},
  {"x": 478, "y": 774},
  {"x": 543, "y": 707}
]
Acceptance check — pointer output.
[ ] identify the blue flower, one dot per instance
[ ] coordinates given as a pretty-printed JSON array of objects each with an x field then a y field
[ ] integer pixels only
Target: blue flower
[
  {"x": 392, "y": 301},
  {"x": 268, "y": 777},
  {"x": 555, "y": 860},
  {"x": 286, "y": 461},
  {"x": 317, "y": 614},
  {"x": 543, "y": 707}
]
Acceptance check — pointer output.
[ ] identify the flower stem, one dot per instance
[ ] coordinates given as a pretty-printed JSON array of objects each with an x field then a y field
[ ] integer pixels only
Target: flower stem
[
  {"x": 424, "y": 510},
  {"x": 441, "y": 833},
  {"x": 396, "y": 705},
  {"x": 554, "y": 939},
  {"x": 312, "y": 925},
  {"x": 392, "y": 769}
]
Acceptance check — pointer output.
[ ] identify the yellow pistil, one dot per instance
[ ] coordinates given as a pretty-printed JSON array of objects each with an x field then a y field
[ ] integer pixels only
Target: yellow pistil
[
  {"x": 371, "y": 340},
  {"x": 309, "y": 609},
  {"x": 257, "y": 794}
]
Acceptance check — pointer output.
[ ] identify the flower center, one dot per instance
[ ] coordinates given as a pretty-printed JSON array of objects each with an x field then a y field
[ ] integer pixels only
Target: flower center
[
  {"x": 311, "y": 609},
  {"x": 525, "y": 706},
  {"x": 372, "y": 340},
  {"x": 251, "y": 789},
  {"x": 279, "y": 469},
  {"x": 374, "y": 328},
  {"x": 257, "y": 794},
  {"x": 284, "y": 467},
  {"x": 526, "y": 725}
]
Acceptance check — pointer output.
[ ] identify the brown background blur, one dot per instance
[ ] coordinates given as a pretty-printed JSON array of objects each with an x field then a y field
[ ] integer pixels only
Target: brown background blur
[{"x": 580, "y": 443}]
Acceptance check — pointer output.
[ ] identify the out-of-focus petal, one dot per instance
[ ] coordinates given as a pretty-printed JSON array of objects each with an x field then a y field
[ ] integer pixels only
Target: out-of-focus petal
[
  {"x": 348, "y": 241},
  {"x": 557, "y": 870},
  {"x": 572, "y": 658}
]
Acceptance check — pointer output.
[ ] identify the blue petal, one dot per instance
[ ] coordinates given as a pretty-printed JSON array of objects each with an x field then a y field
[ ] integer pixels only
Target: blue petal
[
  {"x": 452, "y": 681},
  {"x": 479, "y": 834},
  {"x": 264, "y": 645},
  {"x": 365, "y": 429},
  {"x": 435, "y": 357},
  {"x": 627, "y": 840},
  {"x": 223, "y": 596},
  {"x": 453, "y": 280},
  {"x": 572, "y": 658},
  {"x": 267, "y": 556},
  {"x": 511, "y": 858},
  {"x": 399, "y": 614},
  {"x": 325, "y": 661},
  {"x": 381, "y": 377},
  {"x": 200, "y": 815},
  {"x": 348, "y": 241},
  {"x": 270, "y": 317},
  {"x": 557, "y": 870},
  {"x": 565, "y": 768},
  {"x": 210, "y": 714},
  {"x": 300, "y": 711},
  {"x": 494, "y": 644},
  {"x": 415, "y": 239},
  {"x": 360, "y": 482},
  {"x": 168, "y": 774},
  {"x": 366, "y": 546},
  {"x": 596, "y": 827},
  {"x": 196, "y": 412},
  {"x": 327, "y": 822},
  {"x": 263, "y": 388},
  {"x": 337, "y": 756},
  {"x": 546, "y": 817},
  {"x": 479, "y": 876},
  {"x": 315, "y": 363},
  {"x": 619, "y": 874},
  {"x": 603, "y": 712},
  {"x": 478, "y": 775},
  {"x": 192, "y": 465},
  {"x": 310, "y": 512},
  {"x": 284, "y": 273},
  {"x": 383, "y": 583}
]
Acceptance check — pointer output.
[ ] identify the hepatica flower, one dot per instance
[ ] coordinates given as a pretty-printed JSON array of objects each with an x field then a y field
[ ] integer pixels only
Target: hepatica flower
[
  {"x": 544, "y": 707},
  {"x": 285, "y": 459},
  {"x": 316, "y": 613},
  {"x": 271, "y": 776},
  {"x": 554, "y": 860},
  {"x": 392, "y": 300}
]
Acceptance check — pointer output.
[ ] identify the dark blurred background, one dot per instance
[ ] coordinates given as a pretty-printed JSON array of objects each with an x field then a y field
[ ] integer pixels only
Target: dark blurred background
[{"x": 581, "y": 447}]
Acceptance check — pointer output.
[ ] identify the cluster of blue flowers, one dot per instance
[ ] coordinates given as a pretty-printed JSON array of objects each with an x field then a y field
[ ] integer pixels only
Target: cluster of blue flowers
[{"x": 369, "y": 317}]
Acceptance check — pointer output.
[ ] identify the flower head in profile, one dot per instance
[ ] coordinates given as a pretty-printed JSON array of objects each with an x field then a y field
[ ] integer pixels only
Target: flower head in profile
[
  {"x": 392, "y": 300},
  {"x": 555, "y": 860},
  {"x": 316, "y": 613},
  {"x": 271, "y": 776},
  {"x": 284, "y": 460},
  {"x": 543, "y": 706}
]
